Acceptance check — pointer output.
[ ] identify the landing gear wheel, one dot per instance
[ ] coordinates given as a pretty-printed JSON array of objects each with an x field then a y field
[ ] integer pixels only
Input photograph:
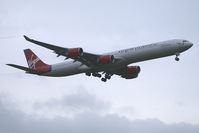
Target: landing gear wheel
[
  {"x": 103, "y": 79},
  {"x": 95, "y": 74},
  {"x": 177, "y": 59},
  {"x": 99, "y": 75},
  {"x": 88, "y": 74},
  {"x": 107, "y": 76}
]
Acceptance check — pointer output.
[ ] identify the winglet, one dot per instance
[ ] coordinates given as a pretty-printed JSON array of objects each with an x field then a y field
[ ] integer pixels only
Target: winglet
[{"x": 27, "y": 38}]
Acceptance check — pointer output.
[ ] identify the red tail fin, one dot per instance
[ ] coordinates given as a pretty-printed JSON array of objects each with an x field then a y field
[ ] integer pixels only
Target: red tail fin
[{"x": 34, "y": 62}]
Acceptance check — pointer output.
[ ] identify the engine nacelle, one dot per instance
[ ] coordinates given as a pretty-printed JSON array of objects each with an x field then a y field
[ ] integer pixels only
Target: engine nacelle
[
  {"x": 131, "y": 72},
  {"x": 129, "y": 76},
  {"x": 106, "y": 59},
  {"x": 74, "y": 52},
  {"x": 133, "y": 69}
]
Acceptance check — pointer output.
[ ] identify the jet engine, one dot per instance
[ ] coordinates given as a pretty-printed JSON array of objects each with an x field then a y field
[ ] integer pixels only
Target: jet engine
[
  {"x": 106, "y": 59},
  {"x": 131, "y": 72},
  {"x": 74, "y": 52}
]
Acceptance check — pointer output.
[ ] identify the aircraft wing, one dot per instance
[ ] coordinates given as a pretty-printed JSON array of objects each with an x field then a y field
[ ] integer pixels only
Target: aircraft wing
[{"x": 83, "y": 57}]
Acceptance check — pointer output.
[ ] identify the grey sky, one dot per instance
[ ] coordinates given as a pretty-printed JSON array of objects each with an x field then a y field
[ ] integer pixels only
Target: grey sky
[{"x": 165, "y": 91}]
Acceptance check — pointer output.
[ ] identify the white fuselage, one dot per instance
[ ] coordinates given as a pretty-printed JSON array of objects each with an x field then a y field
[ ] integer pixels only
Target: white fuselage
[{"x": 123, "y": 57}]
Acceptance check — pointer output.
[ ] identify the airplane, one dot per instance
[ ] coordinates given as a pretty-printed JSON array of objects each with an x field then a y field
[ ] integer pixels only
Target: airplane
[{"x": 100, "y": 65}]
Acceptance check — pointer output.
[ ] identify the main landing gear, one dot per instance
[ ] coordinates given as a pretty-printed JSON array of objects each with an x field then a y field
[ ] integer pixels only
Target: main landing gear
[
  {"x": 107, "y": 76},
  {"x": 176, "y": 58},
  {"x": 96, "y": 74}
]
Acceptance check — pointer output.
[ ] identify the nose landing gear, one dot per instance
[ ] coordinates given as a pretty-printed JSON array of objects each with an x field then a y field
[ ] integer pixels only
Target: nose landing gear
[{"x": 176, "y": 58}]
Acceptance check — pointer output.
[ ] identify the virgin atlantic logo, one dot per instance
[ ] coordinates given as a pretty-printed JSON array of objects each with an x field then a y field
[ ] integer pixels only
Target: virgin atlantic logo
[{"x": 32, "y": 63}]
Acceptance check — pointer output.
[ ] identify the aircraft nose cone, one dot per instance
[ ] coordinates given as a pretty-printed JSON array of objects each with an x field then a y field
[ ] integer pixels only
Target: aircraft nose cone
[
  {"x": 190, "y": 45},
  {"x": 187, "y": 45}
]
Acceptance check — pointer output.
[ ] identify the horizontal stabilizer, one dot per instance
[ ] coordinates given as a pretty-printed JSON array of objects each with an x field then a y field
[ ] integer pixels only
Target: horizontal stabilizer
[{"x": 28, "y": 70}]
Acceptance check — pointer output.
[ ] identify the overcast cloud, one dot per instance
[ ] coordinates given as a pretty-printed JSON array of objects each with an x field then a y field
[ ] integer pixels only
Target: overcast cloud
[
  {"x": 164, "y": 98},
  {"x": 13, "y": 120}
]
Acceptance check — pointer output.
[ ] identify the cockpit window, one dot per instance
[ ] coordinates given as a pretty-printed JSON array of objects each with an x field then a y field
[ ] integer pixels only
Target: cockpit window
[{"x": 185, "y": 41}]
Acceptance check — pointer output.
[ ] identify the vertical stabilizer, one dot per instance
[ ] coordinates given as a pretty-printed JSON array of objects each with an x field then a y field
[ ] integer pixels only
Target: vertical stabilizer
[{"x": 34, "y": 62}]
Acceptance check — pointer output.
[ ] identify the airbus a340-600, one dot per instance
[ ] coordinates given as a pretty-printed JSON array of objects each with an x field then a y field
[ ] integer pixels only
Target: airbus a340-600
[{"x": 101, "y": 65}]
